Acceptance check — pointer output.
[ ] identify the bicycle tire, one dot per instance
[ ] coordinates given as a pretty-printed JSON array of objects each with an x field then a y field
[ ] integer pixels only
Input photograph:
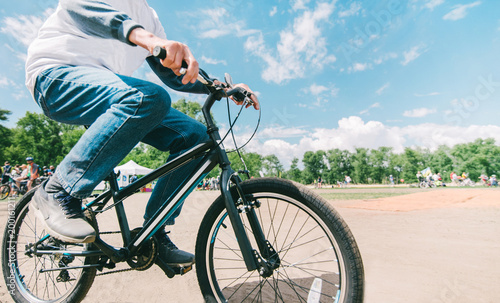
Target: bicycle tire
[
  {"x": 302, "y": 227},
  {"x": 4, "y": 191},
  {"x": 21, "y": 266}
]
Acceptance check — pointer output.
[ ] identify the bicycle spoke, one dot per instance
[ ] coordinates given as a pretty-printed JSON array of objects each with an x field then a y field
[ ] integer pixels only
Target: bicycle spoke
[{"x": 38, "y": 277}]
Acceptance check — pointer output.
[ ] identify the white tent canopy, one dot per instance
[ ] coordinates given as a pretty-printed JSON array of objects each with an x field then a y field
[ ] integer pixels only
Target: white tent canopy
[
  {"x": 128, "y": 169},
  {"x": 131, "y": 168}
]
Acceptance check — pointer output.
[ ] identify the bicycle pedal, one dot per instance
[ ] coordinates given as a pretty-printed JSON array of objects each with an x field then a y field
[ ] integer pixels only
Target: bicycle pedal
[
  {"x": 182, "y": 270},
  {"x": 171, "y": 271}
]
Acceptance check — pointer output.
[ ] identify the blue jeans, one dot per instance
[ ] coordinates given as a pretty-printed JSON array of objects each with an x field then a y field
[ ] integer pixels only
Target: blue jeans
[{"x": 121, "y": 111}]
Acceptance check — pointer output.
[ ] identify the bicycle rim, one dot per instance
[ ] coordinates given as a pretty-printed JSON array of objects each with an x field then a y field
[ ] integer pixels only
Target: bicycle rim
[
  {"x": 38, "y": 277},
  {"x": 311, "y": 266}
]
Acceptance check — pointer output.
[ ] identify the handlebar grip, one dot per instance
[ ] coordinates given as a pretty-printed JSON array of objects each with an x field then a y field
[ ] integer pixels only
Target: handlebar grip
[{"x": 160, "y": 53}]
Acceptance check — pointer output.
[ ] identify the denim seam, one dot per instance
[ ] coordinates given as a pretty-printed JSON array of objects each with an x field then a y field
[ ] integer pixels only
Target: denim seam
[
  {"x": 182, "y": 134},
  {"x": 43, "y": 103}
]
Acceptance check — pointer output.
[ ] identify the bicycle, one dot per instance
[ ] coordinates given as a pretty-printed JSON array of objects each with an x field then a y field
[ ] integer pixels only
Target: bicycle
[
  {"x": 261, "y": 240},
  {"x": 4, "y": 191},
  {"x": 20, "y": 190}
]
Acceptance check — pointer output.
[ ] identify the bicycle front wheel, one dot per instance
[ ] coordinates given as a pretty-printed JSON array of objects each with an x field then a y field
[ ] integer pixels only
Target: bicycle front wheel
[
  {"x": 33, "y": 264},
  {"x": 4, "y": 191},
  {"x": 319, "y": 258}
]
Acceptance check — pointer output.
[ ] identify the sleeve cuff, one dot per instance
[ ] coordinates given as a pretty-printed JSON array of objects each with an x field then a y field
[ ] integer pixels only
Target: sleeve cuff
[{"x": 126, "y": 28}]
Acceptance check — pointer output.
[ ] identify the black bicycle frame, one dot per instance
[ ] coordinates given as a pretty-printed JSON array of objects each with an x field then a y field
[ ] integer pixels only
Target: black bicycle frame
[{"x": 212, "y": 153}]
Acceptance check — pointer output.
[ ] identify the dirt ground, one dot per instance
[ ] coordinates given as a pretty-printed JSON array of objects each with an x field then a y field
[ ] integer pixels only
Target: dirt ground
[{"x": 440, "y": 245}]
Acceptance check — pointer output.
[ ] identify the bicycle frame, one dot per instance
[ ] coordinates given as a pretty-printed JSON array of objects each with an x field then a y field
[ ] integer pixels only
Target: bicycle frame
[{"x": 212, "y": 153}]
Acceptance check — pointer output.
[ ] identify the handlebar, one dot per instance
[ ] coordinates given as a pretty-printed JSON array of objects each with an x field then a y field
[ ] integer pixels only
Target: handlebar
[
  {"x": 239, "y": 94},
  {"x": 160, "y": 53}
]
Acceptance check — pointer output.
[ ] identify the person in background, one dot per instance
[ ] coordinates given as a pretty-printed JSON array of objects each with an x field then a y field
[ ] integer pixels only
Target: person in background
[
  {"x": 33, "y": 172},
  {"x": 6, "y": 172},
  {"x": 493, "y": 180}
]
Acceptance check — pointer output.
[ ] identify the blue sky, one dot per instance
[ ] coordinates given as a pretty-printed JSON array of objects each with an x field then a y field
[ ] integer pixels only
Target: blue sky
[{"x": 329, "y": 74}]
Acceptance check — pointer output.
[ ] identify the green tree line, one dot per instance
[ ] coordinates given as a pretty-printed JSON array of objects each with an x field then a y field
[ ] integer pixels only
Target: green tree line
[{"x": 48, "y": 141}]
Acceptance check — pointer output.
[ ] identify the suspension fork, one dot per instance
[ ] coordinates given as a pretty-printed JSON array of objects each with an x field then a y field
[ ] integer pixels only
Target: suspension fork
[{"x": 266, "y": 259}]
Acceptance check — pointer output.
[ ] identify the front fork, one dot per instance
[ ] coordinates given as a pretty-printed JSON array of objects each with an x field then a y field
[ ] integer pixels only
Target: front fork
[{"x": 265, "y": 259}]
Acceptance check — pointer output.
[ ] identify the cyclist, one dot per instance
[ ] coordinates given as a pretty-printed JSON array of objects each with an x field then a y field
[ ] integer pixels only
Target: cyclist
[
  {"x": 23, "y": 176},
  {"x": 33, "y": 172},
  {"x": 6, "y": 172},
  {"x": 493, "y": 180},
  {"x": 79, "y": 71}
]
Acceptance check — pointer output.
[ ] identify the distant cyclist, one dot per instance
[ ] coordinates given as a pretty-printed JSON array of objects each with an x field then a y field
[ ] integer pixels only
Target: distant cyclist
[
  {"x": 33, "y": 172},
  {"x": 6, "y": 172}
]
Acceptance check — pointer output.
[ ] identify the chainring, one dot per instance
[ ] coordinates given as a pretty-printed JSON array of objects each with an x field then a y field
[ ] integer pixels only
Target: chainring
[{"x": 146, "y": 255}]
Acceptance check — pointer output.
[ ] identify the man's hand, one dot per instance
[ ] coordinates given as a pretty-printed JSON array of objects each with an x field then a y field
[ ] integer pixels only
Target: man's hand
[
  {"x": 256, "y": 104},
  {"x": 176, "y": 53}
]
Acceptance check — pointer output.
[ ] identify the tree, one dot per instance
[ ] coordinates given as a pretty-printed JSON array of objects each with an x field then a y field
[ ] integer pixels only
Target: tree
[
  {"x": 361, "y": 165},
  {"x": 5, "y": 134},
  {"x": 379, "y": 163},
  {"x": 441, "y": 161},
  {"x": 314, "y": 165},
  {"x": 340, "y": 165},
  {"x": 412, "y": 162},
  {"x": 294, "y": 172},
  {"x": 476, "y": 158},
  {"x": 37, "y": 136},
  {"x": 271, "y": 166},
  {"x": 253, "y": 162}
]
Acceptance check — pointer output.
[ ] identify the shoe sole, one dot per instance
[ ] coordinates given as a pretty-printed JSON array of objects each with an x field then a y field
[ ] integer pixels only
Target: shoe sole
[{"x": 51, "y": 232}]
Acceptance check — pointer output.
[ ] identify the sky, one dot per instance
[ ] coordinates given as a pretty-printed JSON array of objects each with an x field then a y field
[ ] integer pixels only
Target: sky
[{"x": 329, "y": 74}]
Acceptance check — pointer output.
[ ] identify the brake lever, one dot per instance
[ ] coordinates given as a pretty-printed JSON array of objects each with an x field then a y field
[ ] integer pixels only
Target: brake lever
[{"x": 242, "y": 96}]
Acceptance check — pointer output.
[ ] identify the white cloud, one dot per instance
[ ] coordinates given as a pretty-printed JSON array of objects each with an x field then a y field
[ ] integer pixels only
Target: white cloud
[
  {"x": 427, "y": 95},
  {"x": 316, "y": 89},
  {"x": 353, "y": 132},
  {"x": 217, "y": 23},
  {"x": 273, "y": 11},
  {"x": 359, "y": 67},
  {"x": 322, "y": 93},
  {"x": 460, "y": 11},
  {"x": 412, "y": 54},
  {"x": 5, "y": 82},
  {"x": 353, "y": 10},
  {"x": 299, "y": 4},
  {"x": 431, "y": 4},
  {"x": 213, "y": 61},
  {"x": 367, "y": 111},
  {"x": 301, "y": 47},
  {"x": 385, "y": 57},
  {"x": 383, "y": 88},
  {"x": 419, "y": 112},
  {"x": 24, "y": 29},
  {"x": 282, "y": 132}
]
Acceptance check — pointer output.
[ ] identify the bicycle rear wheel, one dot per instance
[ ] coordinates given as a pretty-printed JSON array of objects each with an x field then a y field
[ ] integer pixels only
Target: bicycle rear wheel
[
  {"x": 320, "y": 261},
  {"x": 4, "y": 191},
  {"x": 34, "y": 277}
]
